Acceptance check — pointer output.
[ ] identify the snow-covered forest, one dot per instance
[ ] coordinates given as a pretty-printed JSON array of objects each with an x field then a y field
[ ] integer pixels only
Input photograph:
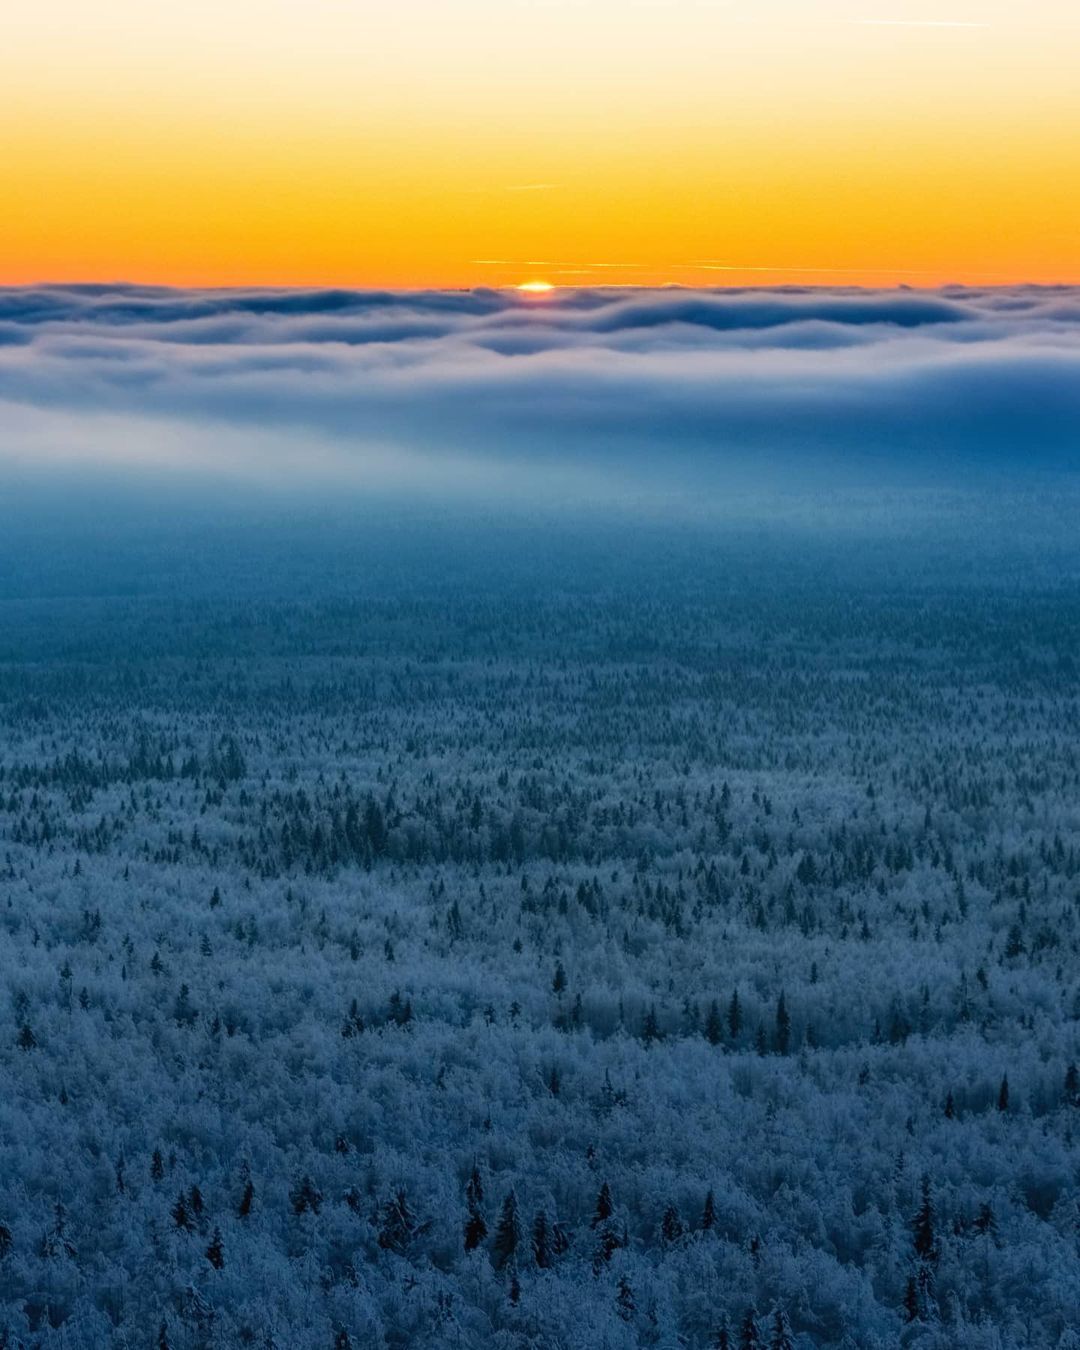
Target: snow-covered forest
[{"x": 629, "y": 943}]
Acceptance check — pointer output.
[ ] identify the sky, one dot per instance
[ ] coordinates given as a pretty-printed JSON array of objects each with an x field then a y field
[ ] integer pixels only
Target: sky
[{"x": 580, "y": 142}]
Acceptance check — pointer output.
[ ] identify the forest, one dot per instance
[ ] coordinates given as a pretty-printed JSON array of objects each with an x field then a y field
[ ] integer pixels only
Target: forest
[{"x": 571, "y": 939}]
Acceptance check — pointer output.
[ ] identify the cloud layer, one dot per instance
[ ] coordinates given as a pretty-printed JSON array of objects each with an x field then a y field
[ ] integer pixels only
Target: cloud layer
[{"x": 588, "y": 392}]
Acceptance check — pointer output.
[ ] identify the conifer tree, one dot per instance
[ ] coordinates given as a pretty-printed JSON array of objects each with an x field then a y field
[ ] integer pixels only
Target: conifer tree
[
  {"x": 714, "y": 1027},
  {"x": 708, "y": 1213},
  {"x": 541, "y": 1241},
  {"x": 734, "y": 1016},
  {"x": 507, "y": 1233},
  {"x": 476, "y": 1228},
  {"x": 783, "y": 1026},
  {"x": 180, "y": 1214},
  {"x": 305, "y": 1196},
  {"x": 924, "y": 1237},
  {"x": 604, "y": 1206},
  {"x": 781, "y": 1338},
  {"x": 749, "y": 1335},
  {"x": 397, "y": 1224}
]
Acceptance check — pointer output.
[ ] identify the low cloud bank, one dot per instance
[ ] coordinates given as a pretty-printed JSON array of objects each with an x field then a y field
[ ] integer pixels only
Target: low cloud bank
[{"x": 587, "y": 393}]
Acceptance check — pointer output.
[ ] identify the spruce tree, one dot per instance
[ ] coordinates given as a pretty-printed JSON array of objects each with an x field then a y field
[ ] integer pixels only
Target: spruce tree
[
  {"x": 671, "y": 1228},
  {"x": 923, "y": 1235},
  {"x": 474, "y": 1189},
  {"x": 541, "y": 1241},
  {"x": 650, "y": 1027},
  {"x": 708, "y": 1213},
  {"x": 180, "y": 1215},
  {"x": 714, "y": 1027},
  {"x": 783, "y": 1026},
  {"x": 604, "y": 1206},
  {"x": 749, "y": 1335},
  {"x": 507, "y": 1233},
  {"x": 475, "y": 1230},
  {"x": 781, "y": 1338},
  {"x": 397, "y": 1224},
  {"x": 734, "y": 1016},
  {"x": 305, "y": 1196}
]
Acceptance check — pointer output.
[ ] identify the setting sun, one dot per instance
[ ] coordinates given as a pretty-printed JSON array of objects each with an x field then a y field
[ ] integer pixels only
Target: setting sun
[{"x": 536, "y": 287}]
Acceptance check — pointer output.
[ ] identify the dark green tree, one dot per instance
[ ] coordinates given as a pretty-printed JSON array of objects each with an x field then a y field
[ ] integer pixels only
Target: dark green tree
[
  {"x": 734, "y": 1016},
  {"x": 714, "y": 1026},
  {"x": 671, "y": 1226},
  {"x": 924, "y": 1237},
  {"x": 783, "y": 1026},
  {"x": 749, "y": 1335},
  {"x": 541, "y": 1241},
  {"x": 781, "y": 1338},
  {"x": 507, "y": 1233}
]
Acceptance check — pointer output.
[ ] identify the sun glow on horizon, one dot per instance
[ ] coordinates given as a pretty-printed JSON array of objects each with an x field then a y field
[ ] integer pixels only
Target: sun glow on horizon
[{"x": 536, "y": 287}]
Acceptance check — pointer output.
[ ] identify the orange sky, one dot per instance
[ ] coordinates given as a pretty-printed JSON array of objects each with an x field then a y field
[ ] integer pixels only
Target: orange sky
[{"x": 492, "y": 141}]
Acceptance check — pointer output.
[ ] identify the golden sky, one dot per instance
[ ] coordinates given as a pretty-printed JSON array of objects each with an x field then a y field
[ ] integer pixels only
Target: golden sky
[{"x": 467, "y": 142}]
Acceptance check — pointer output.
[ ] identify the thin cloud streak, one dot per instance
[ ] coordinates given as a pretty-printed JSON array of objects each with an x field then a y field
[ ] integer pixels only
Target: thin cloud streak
[{"x": 922, "y": 23}]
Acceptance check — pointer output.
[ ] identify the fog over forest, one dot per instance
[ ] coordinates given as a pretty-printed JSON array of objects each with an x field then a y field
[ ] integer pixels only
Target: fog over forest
[{"x": 539, "y": 824}]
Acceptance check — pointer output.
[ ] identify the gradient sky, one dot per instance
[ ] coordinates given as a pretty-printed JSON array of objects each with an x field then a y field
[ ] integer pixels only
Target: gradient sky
[{"x": 471, "y": 142}]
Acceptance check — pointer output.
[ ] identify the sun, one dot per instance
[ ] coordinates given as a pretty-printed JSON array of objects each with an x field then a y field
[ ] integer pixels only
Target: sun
[{"x": 536, "y": 287}]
